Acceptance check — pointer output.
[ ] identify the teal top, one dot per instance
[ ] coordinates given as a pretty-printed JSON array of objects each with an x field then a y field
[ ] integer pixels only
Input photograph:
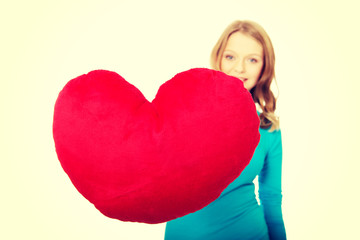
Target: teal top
[{"x": 236, "y": 214}]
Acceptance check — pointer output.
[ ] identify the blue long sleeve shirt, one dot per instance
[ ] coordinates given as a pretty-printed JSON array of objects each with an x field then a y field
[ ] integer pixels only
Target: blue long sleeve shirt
[{"x": 236, "y": 214}]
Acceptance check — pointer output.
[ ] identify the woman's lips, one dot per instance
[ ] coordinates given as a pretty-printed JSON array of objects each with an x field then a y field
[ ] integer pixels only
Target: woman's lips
[{"x": 242, "y": 79}]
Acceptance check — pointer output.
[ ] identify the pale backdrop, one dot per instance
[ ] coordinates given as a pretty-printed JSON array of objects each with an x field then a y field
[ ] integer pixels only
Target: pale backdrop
[{"x": 46, "y": 43}]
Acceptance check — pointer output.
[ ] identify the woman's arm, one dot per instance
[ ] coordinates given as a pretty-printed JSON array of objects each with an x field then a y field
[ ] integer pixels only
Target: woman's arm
[{"x": 270, "y": 187}]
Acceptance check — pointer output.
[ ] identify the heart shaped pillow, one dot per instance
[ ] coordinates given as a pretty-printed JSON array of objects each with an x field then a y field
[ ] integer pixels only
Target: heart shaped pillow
[{"x": 152, "y": 162}]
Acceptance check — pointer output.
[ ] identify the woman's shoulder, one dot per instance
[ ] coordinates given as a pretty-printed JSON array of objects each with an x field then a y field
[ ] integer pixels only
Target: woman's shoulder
[
  {"x": 271, "y": 139},
  {"x": 269, "y": 133}
]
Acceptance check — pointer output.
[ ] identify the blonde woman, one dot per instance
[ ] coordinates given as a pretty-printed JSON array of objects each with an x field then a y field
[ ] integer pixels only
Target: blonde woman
[{"x": 245, "y": 51}]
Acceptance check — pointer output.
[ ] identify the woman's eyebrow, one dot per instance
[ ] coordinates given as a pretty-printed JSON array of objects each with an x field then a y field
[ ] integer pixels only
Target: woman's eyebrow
[
  {"x": 255, "y": 54},
  {"x": 250, "y": 54}
]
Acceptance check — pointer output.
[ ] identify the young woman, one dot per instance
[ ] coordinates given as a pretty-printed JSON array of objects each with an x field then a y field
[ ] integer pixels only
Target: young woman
[{"x": 245, "y": 51}]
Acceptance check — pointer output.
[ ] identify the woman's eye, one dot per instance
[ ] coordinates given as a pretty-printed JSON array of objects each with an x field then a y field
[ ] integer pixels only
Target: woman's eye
[
  {"x": 253, "y": 60},
  {"x": 229, "y": 57}
]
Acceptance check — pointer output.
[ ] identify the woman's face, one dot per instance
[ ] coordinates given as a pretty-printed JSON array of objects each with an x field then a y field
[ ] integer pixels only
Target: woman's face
[{"x": 243, "y": 58}]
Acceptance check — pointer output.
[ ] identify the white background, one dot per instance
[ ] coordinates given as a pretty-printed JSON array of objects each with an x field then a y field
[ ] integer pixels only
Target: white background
[{"x": 44, "y": 44}]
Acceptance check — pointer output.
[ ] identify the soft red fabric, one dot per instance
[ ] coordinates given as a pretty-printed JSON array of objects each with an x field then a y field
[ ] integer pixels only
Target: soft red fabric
[{"x": 152, "y": 162}]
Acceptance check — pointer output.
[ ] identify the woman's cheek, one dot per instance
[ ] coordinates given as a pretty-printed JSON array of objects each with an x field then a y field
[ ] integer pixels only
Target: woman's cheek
[{"x": 226, "y": 68}]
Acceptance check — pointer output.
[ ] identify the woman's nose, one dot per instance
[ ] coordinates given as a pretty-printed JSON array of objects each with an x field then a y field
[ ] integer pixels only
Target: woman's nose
[{"x": 240, "y": 67}]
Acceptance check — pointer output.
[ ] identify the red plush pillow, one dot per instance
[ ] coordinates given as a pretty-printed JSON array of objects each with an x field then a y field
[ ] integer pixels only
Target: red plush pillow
[{"x": 152, "y": 162}]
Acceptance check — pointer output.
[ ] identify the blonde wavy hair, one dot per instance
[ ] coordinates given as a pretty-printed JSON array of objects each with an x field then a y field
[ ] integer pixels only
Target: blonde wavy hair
[{"x": 261, "y": 93}]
